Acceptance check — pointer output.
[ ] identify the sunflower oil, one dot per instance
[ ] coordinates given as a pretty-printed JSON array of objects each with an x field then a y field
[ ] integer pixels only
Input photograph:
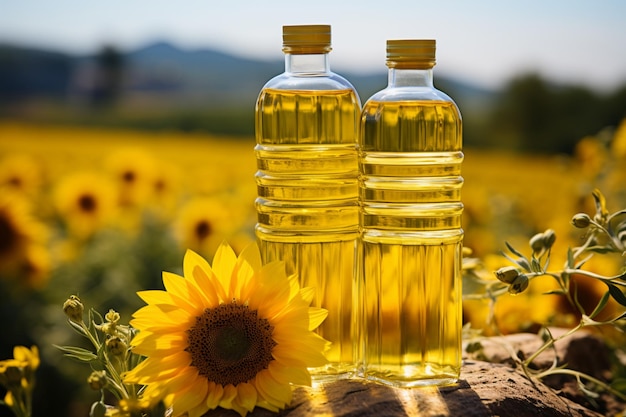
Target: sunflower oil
[
  {"x": 306, "y": 124},
  {"x": 410, "y": 155}
]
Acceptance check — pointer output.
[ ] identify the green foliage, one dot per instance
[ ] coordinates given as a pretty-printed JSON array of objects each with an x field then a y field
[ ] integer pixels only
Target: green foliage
[
  {"x": 532, "y": 114},
  {"x": 605, "y": 233},
  {"x": 109, "y": 357}
]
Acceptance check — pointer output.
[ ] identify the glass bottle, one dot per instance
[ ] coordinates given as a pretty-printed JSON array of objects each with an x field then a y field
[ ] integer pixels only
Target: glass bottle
[
  {"x": 306, "y": 122},
  {"x": 409, "y": 278}
]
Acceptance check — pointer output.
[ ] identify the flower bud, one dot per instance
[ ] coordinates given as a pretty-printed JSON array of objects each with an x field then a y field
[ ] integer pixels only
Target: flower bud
[
  {"x": 97, "y": 380},
  {"x": 581, "y": 220},
  {"x": 542, "y": 241},
  {"x": 112, "y": 316},
  {"x": 116, "y": 346},
  {"x": 11, "y": 373},
  {"x": 73, "y": 309},
  {"x": 519, "y": 284},
  {"x": 537, "y": 242},
  {"x": 98, "y": 409},
  {"x": 507, "y": 274},
  {"x": 549, "y": 237}
]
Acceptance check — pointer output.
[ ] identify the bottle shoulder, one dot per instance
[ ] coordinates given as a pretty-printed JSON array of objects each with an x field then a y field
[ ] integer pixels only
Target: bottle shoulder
[
  {"x": 411, "y": 94},
  {"x": 407, "y": 93},
  {"x": 305, "y": 81}
]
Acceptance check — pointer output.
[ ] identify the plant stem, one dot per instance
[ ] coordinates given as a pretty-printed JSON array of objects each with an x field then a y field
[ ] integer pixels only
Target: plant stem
[{"x": 551, "y": 343}]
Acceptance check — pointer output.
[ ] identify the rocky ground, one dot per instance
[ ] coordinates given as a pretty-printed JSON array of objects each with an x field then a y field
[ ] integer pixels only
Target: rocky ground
[{"x": 490, "y": 385}]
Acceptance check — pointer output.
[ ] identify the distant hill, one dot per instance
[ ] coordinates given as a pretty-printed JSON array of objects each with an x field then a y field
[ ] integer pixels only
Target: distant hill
[
  {"x": 161, "y": 74},
  {"x": 161, "y": 86}
]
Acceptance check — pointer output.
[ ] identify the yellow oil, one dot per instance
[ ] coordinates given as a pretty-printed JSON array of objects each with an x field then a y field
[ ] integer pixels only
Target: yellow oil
[
  {"x": 410, "y": 157},
  {"x": 307, "y": 203}
]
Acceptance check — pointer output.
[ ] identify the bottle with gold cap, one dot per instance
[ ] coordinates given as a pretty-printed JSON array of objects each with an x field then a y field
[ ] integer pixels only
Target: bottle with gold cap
[
  {"x": 409, "y": 278},
  {"x": 306, "y": 124}
]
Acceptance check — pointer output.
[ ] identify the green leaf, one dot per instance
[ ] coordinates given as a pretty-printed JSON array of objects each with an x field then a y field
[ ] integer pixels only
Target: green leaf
[
  {"x": 600, "y": 249},
  {"x": 512, "y": 249},
  {"x": 555, "y": 292},
  {"x": 77, "y": 328},
  {"x": 81, "y": 354},
  {"x": 570, "y": 258},
  {"x": 616, "y": 293},
  {"x": 601, "y": 305},
  {"x": 523, "y": 262}
]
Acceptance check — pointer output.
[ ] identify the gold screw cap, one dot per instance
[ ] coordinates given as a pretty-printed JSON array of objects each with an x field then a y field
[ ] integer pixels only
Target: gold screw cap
[
  {"x": 411, "y": 53},
  {"x": 306, "y": 39}
]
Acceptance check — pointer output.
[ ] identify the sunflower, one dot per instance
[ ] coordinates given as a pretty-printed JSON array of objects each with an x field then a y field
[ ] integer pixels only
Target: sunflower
[
  {"x": 86, "y": 202},
  {"x": 21, "y": 173},
  {"x": 204, "y": 222},
  {"x": 133, "y": 171},
  {"x": 235, "y": 335},
  {"x": 17, "y": 376},
  {"x": 19, "y": 230}
]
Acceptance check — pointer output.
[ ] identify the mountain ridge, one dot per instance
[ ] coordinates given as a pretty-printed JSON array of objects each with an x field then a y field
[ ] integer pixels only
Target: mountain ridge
[{"x": 191, "y": 77}]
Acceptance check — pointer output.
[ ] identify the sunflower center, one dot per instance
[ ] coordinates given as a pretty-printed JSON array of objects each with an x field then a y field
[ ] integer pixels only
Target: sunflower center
[
  {"x": 87, "y": 203},
  {"x": 230, "y": 344},
  {"x": 8, "y": 235},
  {"x": 128, "y": 176},
  {"x": 15, "y": 181},
  {"x": 203, "y": 229}
]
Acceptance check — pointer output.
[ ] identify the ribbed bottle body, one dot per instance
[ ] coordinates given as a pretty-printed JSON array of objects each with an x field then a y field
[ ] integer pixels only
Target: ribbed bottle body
[
  {"x": 410, "y": 155},
  {"x": 307, "y": 202}
]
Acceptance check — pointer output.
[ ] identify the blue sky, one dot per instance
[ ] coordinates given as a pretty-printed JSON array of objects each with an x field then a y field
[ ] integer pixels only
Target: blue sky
[{"x": 482, "y": 41}]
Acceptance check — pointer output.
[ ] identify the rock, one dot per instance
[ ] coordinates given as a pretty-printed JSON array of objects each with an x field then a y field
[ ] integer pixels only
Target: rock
[{"x": 485, "y": 389}]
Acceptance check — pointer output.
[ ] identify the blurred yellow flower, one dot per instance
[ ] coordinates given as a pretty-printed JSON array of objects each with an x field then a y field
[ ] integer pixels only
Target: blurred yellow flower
[
  {"x": 133, "y": 171},
  {"x": 19, "y": 230},
  {"x": 86, "y": 202},
  {"x": 204, "y": 222},
  {"x": 17, "y": 376},
  {"x": 591, "y": 155},
  {"x": 166, "y": 190},
  {"x": 21, "y": 173},
  {"x": 235, "y": 335},
  {"x": 618, "y": 144}
]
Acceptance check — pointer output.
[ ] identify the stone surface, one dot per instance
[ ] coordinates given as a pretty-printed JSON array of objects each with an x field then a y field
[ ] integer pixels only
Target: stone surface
[{"x": 485, "y": 389}]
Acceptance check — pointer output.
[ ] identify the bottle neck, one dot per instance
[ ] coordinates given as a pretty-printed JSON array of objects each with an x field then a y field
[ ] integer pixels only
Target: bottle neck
[
  {"x": 307, "y": 63},
  {"x": 410, "y": 77}
]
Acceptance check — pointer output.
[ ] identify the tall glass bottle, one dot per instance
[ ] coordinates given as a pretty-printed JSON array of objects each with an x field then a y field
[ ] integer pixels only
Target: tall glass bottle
[
  {"x": 410, "y": 155},
  {"x": 306, "y": 123}
]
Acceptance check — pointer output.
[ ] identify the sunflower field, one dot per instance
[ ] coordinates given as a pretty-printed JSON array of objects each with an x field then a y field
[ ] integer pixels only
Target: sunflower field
[{"x": 101, "y": 213}]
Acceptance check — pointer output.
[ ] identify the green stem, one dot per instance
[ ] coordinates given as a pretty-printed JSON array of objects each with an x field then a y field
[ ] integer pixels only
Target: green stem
[
  {"x": 551, "y": 343},
  {"x": 578, "y": 374},
  {"x": 115, "y": 376},
  {"x": 590, "y": 274}
]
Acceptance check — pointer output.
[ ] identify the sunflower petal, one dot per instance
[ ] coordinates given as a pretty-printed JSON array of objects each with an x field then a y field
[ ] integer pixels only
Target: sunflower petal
[
  {"x": 316, "y": 317},
  {"x": 252, "y": 256},
  {"x": 197, "y": 270},
  {"x": 215, "y": 394},
  {"x": 190, "y": 397},
  {"x": 187, "y": 295},
  {"x": 224, "y": 262},
  {"x": 147, "y": 343},
  {"x": 155, "y": 297},
  {"x": 158, "y": 368},
  {"x": 272, "y": 391},
  {"x": 246, "y": 396},
  {"x": 230, "y": 392},
  {"x": 289, "y": 375}
]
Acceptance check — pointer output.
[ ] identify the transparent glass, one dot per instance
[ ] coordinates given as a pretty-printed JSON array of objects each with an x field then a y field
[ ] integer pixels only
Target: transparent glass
[
  {"x": 306, "y": 122},
  {"x": 409, "y": 267}
]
